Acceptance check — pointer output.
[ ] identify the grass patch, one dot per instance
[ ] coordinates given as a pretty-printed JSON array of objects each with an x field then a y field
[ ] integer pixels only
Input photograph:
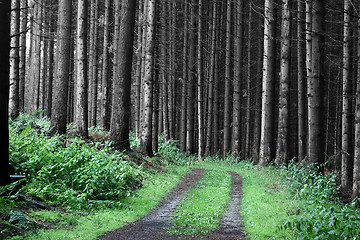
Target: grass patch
[
  {"x": 203, "y": 207},
  {"x": 266, "y": 203}
]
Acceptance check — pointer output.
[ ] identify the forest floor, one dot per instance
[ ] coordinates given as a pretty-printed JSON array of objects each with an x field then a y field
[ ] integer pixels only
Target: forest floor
[{"x": 156, "y": 223}]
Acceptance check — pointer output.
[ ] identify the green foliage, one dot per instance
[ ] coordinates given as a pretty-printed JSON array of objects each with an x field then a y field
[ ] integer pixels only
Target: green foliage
[
  {"x": 169, "y": 150},
  {"x": 203, "y": 207},
  {"x": 68, "y": 172},
  {"x": 324, "y": 217}
]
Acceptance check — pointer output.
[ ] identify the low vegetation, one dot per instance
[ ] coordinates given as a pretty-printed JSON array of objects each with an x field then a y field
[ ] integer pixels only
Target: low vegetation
[
  {"x": 293, "y": 202},
  {"x": 203, "y": 207}
]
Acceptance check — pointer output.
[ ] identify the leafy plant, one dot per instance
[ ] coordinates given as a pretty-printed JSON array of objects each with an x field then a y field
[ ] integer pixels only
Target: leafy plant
[{"x": 324, "y": 217}]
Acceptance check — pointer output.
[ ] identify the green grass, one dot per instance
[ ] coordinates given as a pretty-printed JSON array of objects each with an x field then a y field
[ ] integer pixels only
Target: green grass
[
  {"x": 266, "y": 203},
  {"x": 203, "y": 207},
  {"x": 93, "y": 225}
]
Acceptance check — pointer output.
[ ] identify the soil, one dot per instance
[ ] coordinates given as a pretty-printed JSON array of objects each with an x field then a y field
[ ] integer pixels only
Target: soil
[{"x": 153, "y": 225}]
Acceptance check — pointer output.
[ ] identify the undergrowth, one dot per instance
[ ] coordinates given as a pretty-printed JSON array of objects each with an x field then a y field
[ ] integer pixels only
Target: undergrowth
[
  {"x": 323, "y": 215},
  {"x": 68, "y": 172}
]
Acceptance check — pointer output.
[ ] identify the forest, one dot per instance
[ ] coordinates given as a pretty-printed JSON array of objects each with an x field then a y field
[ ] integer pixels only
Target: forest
[{"x": 271, "y": 82}]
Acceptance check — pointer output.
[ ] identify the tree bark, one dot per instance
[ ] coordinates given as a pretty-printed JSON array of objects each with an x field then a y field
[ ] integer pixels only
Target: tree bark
[
  {"x": 267, "y": 116},
  {"x": 200, "y": 91},
  {"x": 4, "y": 90},
  {"x": 301, "y": 83},
  {"x": 346, "y": 130},
  {"x": 190, "y": 120},
  {"x": 121, "y": 101},
  {"x": 228, "y": 81},
  {"x": 82, "y": 70},
  {"x": 315, "y": 83},
  {"x": 146, "y": 135},
  {"x": 356, "y": 171},
  {"x": 14, "y": 60},
  {"x": 61, "y": 78},
  {"x": 282, "y": 150},
  {"x": 236, "y": 118}
]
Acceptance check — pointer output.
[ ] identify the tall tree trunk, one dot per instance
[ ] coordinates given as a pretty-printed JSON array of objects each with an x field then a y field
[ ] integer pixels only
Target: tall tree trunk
[
  {"x": 267, "y": 117},
  {"x": 14, "y": 60},
  {"x": 184, "y": 81},
  {"x": 22, "y": 53},
  {"x": 4, "y": 90},
  {"x": 82, "y": 70},
  {"x": 315, "y": 84},
  {"x": 249, "y": 95},
  {"x": 61, "y": 78},
  {"x": 121, "y": 101},
  {"x": 105, "y": 85},
  {"x": 301, "y": 83},
  {"x": 282, "y": 150},
  {"x": 200, "y": 100},
  {"x": 228, "y": 78},
  {"x": 346, "y": 130},
  {"x": 236, "y": 133},
  {"x": 190, "y": 121},
  {"x": 356, "y": 172},
  {"x": 210, "y": 104},
  {"x": 33, "y": 102},
  {"x": 146, "y": 135},
  {"x": 93, "y": 61}
]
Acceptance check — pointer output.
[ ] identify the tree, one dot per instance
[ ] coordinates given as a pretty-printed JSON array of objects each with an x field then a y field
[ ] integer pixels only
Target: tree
[
  {"x": 14, "y": 60},
  {"x": 200, "y": 74},
  {"x": 346, "y": 130},
  {"x": 82, "y": 70},
  {"x": 4, "y": 90},
  {"x": 121, "y": 101},
  {"x": 146, "y": 137},
  {"x": 190, "y": 107},
  {"x": 267, "y": 119},
  {"x": 61, "y": 78},
  {"x": 315, "y": 83},
  {"x": 210, "y": 104},
  {"x": 228, "y": 81},
  {"x": 356, "y": 171},
  {"x": 301, "y": 83},
  {"x": 282, "y": 150}
]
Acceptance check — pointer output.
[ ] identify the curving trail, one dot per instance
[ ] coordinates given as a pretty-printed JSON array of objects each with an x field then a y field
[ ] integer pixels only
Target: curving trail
[{"x": 152, "y": 226}]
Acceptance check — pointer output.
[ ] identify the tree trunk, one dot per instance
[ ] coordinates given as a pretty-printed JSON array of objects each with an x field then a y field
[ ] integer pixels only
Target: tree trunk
[
  {"x": 228, "y": 80},
  {"x": 236, "y": 133},
  {"x": 4, "y": 90},
  {"x": 146, "y": 135},
  {"x": 184, "y": 81},
  {"x": 356, "y": 172},
  {"x": 210, "y": 104},
  {"x": 121, "y": 102},
  {"x": 33, "y": 99},
  {"x": 267, "y": 116},
  {"x": 301, "y": 84},
  {"x": 200, "y": 91},
  {"x": 93, "y": 61},
  {"x": 346, "y": 130},
  {"x": 82, "y": 70},
  {"x": 282, "y": 150},
  {"x": 105, "y": 85},
  {"x": 14, "y": 59},
  {"x": 190, "y": 120},
  {"x": 22, "y": 53},
  {"x": 61, "y": 78},
  {"x": 315, "y": 83}
]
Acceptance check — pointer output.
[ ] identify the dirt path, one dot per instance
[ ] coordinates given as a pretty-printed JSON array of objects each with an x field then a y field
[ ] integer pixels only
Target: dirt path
[{"x": 152, "y": 226}]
